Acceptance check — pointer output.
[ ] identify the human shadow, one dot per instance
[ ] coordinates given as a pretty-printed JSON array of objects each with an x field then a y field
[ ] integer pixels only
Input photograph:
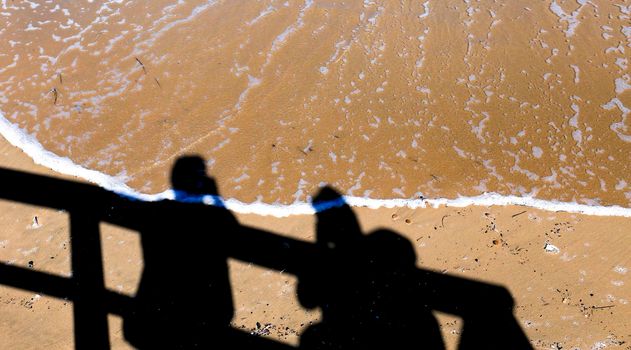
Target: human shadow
[
  {"x": 365, "y": 287},
  {"x": 184, "y": 298},
  {"x": 373, "y": 296},
  {"x": 368, "y": 288}
]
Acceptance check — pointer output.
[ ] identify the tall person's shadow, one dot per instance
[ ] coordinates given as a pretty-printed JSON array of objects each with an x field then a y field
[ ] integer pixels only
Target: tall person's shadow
[{"x": 184, "y": 298}]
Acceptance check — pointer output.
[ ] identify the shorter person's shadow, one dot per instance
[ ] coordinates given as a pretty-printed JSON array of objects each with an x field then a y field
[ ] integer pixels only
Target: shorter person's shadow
[
  {"x": 373, "y": 296},
  {"x": 365, "y": 287}
]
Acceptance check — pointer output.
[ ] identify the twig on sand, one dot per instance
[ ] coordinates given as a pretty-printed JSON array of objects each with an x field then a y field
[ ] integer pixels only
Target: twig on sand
[
  {"x": 141, "y": 65},
  {"x": 521, "y": 212},
  {"x": 157, "y": 82},
  {"x": 602, "y": 307},
  {"x": 61, "y": 80},
  {"x": 55, "y": 94},
  {"x": 442, "y": 220}
]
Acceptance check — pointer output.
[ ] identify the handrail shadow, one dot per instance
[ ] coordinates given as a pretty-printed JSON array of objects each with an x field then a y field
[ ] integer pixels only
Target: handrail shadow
[{"x": 369, "y": 290}]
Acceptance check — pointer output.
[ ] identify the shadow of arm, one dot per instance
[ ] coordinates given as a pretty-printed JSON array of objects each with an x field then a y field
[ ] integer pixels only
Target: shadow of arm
[
  {"x": 461, "y": 296},
  {"x": 272, "y": 250},
  {"x": 486, "y": 309}
]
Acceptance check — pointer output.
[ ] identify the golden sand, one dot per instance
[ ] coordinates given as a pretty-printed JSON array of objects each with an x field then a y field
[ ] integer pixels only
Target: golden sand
[
  {"x": 379, "y": 98},
  {"x": 576, "y": 299}
]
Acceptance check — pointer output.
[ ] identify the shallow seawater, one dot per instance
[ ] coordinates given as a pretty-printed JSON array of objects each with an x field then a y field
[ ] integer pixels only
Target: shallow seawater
[{"x": 384, "y": 99}]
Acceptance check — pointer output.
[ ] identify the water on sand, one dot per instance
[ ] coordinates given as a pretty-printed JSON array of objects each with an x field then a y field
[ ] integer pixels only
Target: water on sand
[{"x": 379, "y": 98}]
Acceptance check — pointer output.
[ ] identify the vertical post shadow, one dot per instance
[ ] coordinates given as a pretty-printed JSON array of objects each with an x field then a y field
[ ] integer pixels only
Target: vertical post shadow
[{"x": 89, "y": 309}]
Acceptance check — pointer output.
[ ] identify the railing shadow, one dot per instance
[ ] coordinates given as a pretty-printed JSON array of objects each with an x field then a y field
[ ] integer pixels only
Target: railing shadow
[{"x": 369, "y": 290}]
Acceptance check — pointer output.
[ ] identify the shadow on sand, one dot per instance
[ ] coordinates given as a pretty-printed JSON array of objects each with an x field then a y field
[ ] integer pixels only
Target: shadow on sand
[{"x": 367, "y": 285}]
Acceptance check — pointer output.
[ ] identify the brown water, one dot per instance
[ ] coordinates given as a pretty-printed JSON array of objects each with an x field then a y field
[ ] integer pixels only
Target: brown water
[{"x": 380, "y": 98}]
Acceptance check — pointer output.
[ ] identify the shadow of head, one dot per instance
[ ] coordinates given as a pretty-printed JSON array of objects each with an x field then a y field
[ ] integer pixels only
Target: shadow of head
[
  {"x": 337, "y": 226},
  {"x": 189, "y": 176},
  {"x": 389, "y": 250}
]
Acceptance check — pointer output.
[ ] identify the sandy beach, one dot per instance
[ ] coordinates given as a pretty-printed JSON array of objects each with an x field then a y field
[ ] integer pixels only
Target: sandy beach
[
  {"x": 577, "y": 297},
  {"x": 386, "y": 101}
]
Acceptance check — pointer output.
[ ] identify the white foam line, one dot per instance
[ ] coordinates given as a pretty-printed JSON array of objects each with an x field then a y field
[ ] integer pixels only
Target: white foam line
[{"x": 31, "y": 146}]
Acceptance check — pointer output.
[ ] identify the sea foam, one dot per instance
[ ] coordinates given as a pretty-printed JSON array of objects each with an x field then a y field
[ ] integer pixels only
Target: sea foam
[{"x": 34, "y": 149}]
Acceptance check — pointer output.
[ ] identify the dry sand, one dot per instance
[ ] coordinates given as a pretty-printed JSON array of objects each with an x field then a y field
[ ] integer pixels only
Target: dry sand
[{"x": 579, "y": 297}]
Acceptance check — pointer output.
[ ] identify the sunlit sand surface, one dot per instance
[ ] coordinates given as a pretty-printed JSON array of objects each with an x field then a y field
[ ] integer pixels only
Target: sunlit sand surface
[{"x": 385, "y": 99}]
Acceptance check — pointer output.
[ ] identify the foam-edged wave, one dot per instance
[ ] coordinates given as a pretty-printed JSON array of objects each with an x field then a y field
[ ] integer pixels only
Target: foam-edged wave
[{"x": 31, "y": 147}]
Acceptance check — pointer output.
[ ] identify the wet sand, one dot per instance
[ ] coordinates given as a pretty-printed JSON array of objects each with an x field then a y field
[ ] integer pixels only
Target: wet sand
[{"x": 381, "y": 98}]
